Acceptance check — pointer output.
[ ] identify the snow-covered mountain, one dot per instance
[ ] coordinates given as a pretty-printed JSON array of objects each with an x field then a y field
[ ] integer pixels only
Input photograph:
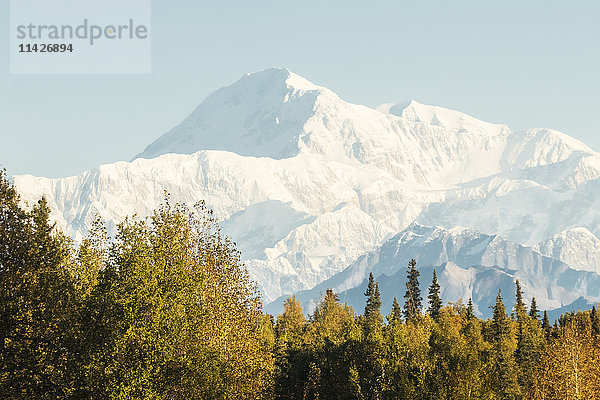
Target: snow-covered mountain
[
  {"x": 261, "y": 115},
  {"x": 577, "y": 247},
  {"x": 468, "y": 263},
  {"x": 306, "y": 182}
]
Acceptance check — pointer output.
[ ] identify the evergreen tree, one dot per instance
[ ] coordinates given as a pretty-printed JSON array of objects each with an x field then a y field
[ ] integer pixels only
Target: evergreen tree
[
  {"x": 373, "y": 306},
  {"x": 504, "y": 375},
  {"x": 546, "y": 325},
  {"x": 377, "y": 298},
  {"x": 555, "y": 330},
  {"x": 519, "y": 304},
  {"x": 372, "y": 317},
  {"x": 368, "y": 357},
  {"x": 470, "y": 311},
  {"x": 529, "y": 349},
  {"x": 435, "y": 302},
  {"x": 533, "y": 310},
  {"x": 413, "y": 299},
  {"x": 499, "y": 323},
  {"x": 530, "y": 339},
  {"x": 396, "y": 313},
  {"x": 370, "y": 291}
]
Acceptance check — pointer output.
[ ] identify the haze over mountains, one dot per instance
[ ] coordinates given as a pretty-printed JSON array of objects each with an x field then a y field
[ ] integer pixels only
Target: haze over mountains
[
  {"x": 314, "y": 188},
  {"x": 469, "y": 264}
]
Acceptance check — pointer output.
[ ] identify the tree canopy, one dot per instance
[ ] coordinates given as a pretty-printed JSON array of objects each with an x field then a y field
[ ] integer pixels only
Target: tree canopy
[{"x": 166, "y": 310}]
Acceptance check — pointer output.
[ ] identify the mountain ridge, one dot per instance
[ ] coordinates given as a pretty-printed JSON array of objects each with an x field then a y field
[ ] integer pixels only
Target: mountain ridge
[
  {"x": 468, "y": 263},
  {"x": 308, "y": 182}
]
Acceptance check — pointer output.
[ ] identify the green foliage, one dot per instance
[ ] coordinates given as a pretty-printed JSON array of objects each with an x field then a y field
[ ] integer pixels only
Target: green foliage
[
  {"x": 435, "y": 301},
  {"x": 179, "y": 315},
  {"x": 470, "y": 313},
  {"x": 290, "y": 325},
  {"x": 519, "y": 304},
  {"x": 533, "y": 310},
  {"x": 546, "y": 328},
  {"x": 329, "y": 322},
  {"x": 166, "y": 311},
  {"x": 372, "y": 316},
  {"x": 396, "y": 313},
  {"x": 500, "y": 325},
  {"x": 503, "y": 365},
  {"x": 407, "y": 365},
  {"x": 40, "y": 355},
  {"x": 530, "y": 343},
  {"x": 412, "y": 303}
]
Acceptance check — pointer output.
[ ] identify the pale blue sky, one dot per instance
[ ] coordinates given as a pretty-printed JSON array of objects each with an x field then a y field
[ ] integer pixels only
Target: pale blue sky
[{"x": 523, "y": 63}]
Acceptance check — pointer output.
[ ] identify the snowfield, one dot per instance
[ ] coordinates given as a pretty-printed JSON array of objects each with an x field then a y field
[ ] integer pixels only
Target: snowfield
[{"x": 307, "y": 183}]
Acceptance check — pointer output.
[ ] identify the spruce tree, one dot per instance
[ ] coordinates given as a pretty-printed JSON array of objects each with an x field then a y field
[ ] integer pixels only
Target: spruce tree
[
  {"x": 370, "y": 295},
  {"x": 435, "y": 302},
  {"x": 376, "y": 303},
  {"x": 519, "y": 304},
  {"x": 555, "y": 330},
  {"x": 521, "y": 315},
  {"x": 373, "y": 318},
  {"x": 499, "y": 323},
  {"x": 412, "y": 304},
  {"x": 396, "y": 313},
  {"x": 529, "y": 342},
  {"x": 529, "y": 350},
  {"x": 546, "y": 325},
  {"x": 470, "y": 311},
  {"x": 533, "y": 310},
  {"x": 504, "y": 377},
  {"x": 371, "y": 348}
]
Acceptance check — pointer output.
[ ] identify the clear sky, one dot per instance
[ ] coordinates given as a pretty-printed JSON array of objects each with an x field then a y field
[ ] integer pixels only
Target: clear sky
[{"x": 523, "y": 63}]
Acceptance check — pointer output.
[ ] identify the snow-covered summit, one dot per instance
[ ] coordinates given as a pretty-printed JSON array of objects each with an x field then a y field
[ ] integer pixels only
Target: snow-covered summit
[
  {"x": 577, "y": 247},
  {"x": 306, "y": 182},
  {"x": 443, "y": 117},
  {"x": 260, "y": 115},
  {"x": 278, "y": 114}
]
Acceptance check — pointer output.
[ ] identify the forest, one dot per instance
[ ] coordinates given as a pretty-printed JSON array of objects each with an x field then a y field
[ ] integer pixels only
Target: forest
[{"x": 166, "y": 310}]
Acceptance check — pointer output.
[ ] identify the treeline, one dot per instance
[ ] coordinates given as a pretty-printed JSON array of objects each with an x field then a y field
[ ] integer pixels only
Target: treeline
[
  {"x": 166, "y": 310},
  {"x": 446, "y": 353}
]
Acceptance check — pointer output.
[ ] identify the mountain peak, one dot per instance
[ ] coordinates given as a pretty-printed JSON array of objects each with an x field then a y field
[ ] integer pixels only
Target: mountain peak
[
  {"x": 577, "y": 247},
  {"x": 443, "y": 117},
  {"x": 275, "y": 78},
  {"x": 260, "y": 115}
]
